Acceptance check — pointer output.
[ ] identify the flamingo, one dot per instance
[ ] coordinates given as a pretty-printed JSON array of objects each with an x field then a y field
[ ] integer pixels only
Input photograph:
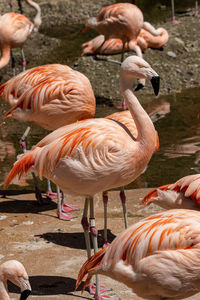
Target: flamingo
[
  {"x": 173, "y": 11},
  {"x": 37, "y": 20},
  {"x": 14, "y": 31},
  {"x": 158, "y": 257},
  {"x": 125, "y": 119},
  {"x": 184, "y": 193},
  {"x": 15, "y": 272},
  {"x": 144, "y": 40},
  {"x": 95, "y": 155},
  {"x": 51, "y": 96}
]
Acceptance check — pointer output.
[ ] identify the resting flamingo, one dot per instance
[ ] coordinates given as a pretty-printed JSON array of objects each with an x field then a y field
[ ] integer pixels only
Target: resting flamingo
[
  {"x": 51, "y": 96},
  {"x": 184, "y": 193},
  {"x": 158, "y": 257},
  {"x": 15, "y": 272},
  {"x": 14, "y": 31},
  {"x": 144, "y": 40},
  {"x": 97, "y": 154}
]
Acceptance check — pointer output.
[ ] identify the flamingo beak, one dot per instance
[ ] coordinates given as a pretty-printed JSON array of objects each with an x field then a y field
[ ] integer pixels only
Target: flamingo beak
[
  {"x": 25, "y": 294},
  {"x": 155, "y": 81}
]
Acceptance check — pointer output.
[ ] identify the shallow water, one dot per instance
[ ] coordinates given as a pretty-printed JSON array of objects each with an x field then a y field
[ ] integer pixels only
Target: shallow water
[{"x": 175, "y": 119}]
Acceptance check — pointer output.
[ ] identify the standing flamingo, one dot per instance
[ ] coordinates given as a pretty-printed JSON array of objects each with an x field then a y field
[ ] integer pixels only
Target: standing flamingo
[
  {"x": 95, "y": 155},
  {"x": 144, "y": 40},
  {"x": 15, "y": 272},
  {"x": 51, "y": 96},
  {"x": 173, "y": 11},
  {"x": 14, "y": 31},
  {"x": 125, "y": 119},
  {"x": 158, "y": 257},
  {"x": 184, "y": 193}
]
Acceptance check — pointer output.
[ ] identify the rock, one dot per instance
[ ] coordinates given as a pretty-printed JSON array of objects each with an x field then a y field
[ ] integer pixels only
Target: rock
[{"x": 171, "y": 54}]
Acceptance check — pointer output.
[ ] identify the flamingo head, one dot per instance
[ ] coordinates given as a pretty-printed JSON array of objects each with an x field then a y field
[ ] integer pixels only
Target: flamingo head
[
  {"x": 137, "y": 67},
  {"x": 15, "y": 272}
]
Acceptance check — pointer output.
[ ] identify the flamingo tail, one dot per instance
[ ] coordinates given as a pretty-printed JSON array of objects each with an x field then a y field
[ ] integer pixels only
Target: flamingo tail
[
  {"x": 90, "y": 265},
  {"x": 148, "y": 198},
  {"x": 20, "y": 167}
]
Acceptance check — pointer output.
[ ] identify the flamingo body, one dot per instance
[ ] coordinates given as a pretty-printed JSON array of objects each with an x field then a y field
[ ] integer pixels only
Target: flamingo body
[
  {"x": 184, "y": 193},
  {"x": 57, "y": 99},
  {"x": 14, "y": 31},
  {"x": 121, "y": 20},
  {"x": 144, "y": 40},
  {"x": 160, "y": 253},
  {"x": 97, "y": 154}
]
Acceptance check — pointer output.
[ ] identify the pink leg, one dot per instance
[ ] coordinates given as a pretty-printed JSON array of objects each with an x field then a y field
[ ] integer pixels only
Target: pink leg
[
  {"x": 62, "y": 215},
  {"x": 105, "y": 204}
]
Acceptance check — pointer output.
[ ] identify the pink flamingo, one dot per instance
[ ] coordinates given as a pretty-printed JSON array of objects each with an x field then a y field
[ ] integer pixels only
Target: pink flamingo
[
  {"x": 37, "y": 20},
  {"x": 173, "y": 11},
  {"x": 158, "y": 257},
  {"x": 15, "y": 272},
  {"x": 124, "y": 118},
  {"x": 121, "y": 20},
  {"x": 14, "y": 31},
  {"x": 51, "y": 96},
  {"x": 144, "y": 40},
  {"x": 95, "y": 155},
  {"x": 184, "y": 193}
]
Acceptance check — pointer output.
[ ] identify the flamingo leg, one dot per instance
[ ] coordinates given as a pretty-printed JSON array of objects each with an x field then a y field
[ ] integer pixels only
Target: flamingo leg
[
  {"x": 13, "y": 63},
  {"x": 174, "y": 21},
  {"x": 105, "y": 204},
  {"x": 11, "y": 5},
  {"x": 20, "y": 6},
  {"x": 62, "y": 215},
  {"x": 38, "y": 193},
  {"x": 98, "y": 289},
  {"x": 123, "y": 50},
  {"x": 196, "y": 9},
  {"x": 23, "y": 60},
  {"x": 123, "y": 200}
]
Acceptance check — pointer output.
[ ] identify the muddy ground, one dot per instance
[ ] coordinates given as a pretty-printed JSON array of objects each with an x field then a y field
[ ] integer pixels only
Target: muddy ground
[{"x": 53, "y": 250}]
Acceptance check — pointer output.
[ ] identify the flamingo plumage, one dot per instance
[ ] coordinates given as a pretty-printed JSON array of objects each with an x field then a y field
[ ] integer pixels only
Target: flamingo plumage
[
  {"x": 97, "y": 154},
  {"x": 184, "y": 193},
  {"x": 158, "y": 257},
  {"x": 144, "y": 40},
  {"x": 15, "y": 272},
  {"x": 51, "y": 96},
  {"x": 14, "y": 31}
]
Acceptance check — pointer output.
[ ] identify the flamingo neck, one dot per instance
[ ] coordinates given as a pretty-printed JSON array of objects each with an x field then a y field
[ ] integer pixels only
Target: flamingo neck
[
  {"x": 3, "y": 291},
  {"x": 146, "y": 131},
  {"x": 5, "y": 56},
  {"x": 37, "y": 19}
]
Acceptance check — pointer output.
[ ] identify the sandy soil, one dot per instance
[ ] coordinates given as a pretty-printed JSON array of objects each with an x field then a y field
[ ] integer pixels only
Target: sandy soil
[{"x": 53, "y": 250}]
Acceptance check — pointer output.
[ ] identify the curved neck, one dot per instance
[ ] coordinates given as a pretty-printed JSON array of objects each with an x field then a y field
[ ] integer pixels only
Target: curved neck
[
  {"x": 3, "y": 292},
  {"x": 37, "y": 19},
  {"x": 145, "y": 127},
  {"x": 5, "y": 56}
]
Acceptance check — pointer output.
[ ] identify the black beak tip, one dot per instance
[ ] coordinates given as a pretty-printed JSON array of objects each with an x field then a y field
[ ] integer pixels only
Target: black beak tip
[
  {"x": 139, "y": 87},
  {"x": 25, "y": 294},
  {"x": 155, "y": 81}
]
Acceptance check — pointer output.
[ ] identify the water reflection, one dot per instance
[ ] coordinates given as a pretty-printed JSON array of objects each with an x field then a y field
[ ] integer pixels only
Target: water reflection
[{"x": 175, "y": 119}]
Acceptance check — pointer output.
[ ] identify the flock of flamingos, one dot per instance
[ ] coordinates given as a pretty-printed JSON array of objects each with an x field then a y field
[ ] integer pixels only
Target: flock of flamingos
[{"x": 158, "y": 257}]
